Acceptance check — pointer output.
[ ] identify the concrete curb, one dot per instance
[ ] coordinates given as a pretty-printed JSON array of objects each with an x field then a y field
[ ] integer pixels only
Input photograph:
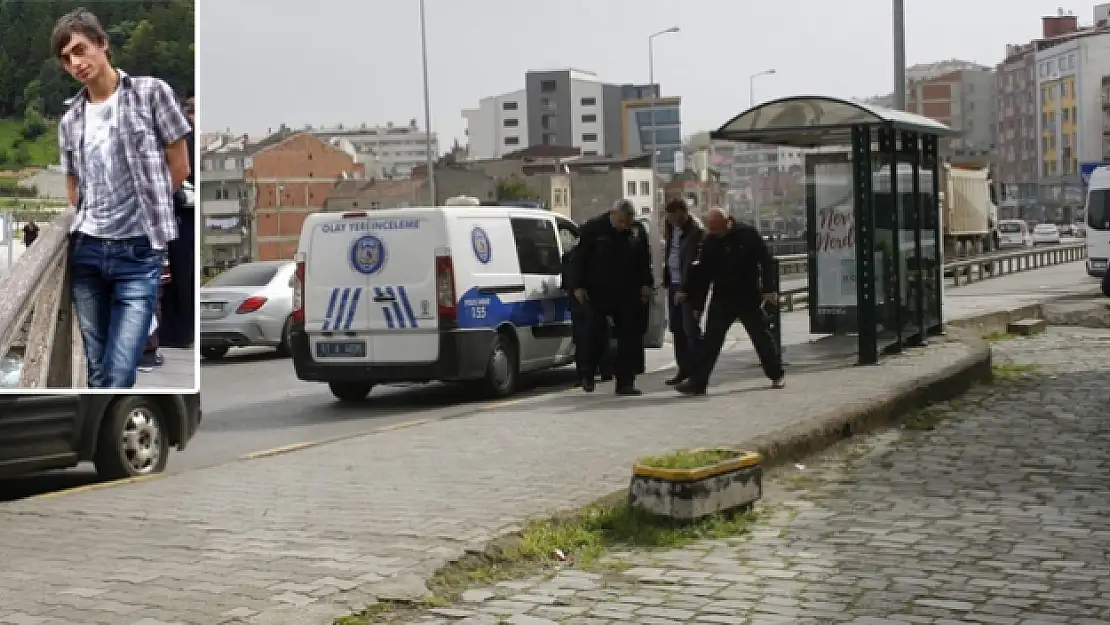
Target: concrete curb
[
  {"x": 988, "y": 323},
  {"x": 804, "y": 439}
]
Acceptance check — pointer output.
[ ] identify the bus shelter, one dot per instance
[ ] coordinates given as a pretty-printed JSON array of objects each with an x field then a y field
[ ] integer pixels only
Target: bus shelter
[{"x": 873, "y": 221}]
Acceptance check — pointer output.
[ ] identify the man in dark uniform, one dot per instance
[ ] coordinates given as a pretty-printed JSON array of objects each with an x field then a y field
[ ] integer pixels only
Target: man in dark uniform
[
  {"x": 179, "y": 300},
  {"x": 732, "y": 260},
  {"x": 611, "y": 275},
  {"x": 684, "y": 235},
  {"x": 579, "y": 321}
]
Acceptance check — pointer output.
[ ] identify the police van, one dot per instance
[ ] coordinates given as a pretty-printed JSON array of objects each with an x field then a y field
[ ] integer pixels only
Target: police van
[{"x": 460, "y": 292}]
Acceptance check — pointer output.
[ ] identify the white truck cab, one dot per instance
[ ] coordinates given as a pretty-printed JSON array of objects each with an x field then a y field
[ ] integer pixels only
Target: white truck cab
[{"x": 461, "y": 292}]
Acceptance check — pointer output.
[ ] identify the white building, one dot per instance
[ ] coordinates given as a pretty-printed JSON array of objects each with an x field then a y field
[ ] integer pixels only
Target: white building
[
  {"x": 389, "y": 152},
  {"x": 498, "y": 126},
  {"x": 1069, "y": 98},
  {"x": 638, "y": 188}
]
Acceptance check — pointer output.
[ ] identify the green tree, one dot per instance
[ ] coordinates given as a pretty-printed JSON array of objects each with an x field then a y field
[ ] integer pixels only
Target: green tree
[
  {"x": 22, "y": 156},
  {"x": 515, "y": 188}
]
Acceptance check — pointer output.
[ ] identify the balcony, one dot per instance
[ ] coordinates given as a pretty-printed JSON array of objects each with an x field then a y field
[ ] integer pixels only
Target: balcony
[{"x": 221, "y": 207}]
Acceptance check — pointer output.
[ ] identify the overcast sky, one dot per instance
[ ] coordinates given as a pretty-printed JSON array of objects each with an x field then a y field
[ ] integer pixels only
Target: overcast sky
[{"x": 322, "y": 62}]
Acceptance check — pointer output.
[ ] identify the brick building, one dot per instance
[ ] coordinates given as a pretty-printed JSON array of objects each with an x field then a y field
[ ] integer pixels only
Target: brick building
[{"x": 290, "y": 179}]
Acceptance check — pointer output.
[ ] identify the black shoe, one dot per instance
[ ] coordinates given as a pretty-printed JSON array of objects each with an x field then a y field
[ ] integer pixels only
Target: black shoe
[
  {"x": 676, "y": 380},
  {"x": 149, "y": 361},
  {"x": 688, "y": 388},
  {"x": 588, "y": 384},
  {"x": 629, "y": 391}
]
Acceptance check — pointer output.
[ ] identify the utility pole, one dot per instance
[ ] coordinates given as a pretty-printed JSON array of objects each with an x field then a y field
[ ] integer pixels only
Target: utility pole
[{"x": 900, "y": 54}]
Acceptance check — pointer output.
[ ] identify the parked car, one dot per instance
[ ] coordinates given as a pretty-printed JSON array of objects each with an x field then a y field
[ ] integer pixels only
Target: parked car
[
  {"x": 1014, "y": 233},
  {"x": 1046, "y": 234},
  {"x": 248, "y": 305},
  {"x": 122, "y": 435}
]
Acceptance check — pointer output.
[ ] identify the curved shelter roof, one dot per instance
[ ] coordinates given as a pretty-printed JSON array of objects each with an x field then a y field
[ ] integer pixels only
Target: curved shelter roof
[{"x": 817, "y": 121}]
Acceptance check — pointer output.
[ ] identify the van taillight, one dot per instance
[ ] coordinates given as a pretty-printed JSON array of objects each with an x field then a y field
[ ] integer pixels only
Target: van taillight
[
  {"x": 445, "y": 286},
  {"x": 298, "y": 291}
]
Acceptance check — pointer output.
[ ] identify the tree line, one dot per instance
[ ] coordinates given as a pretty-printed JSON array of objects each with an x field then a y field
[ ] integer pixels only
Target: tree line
[{"x": 147, "y": 37}]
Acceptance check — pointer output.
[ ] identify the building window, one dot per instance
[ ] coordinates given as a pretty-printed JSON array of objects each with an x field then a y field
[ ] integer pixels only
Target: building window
[
  {"x": 631, "y": 187},
  {"x": 206, "y": 165},
  {"x": 589, "y": 137},
  {"x": 589, "y": 101},
  {"x": 512, "y": 140},
  {"x": 589, "y": 119},
  {"x": 548, "y": 86},
  {"x": 645, "y": 188},
  {"x": 548, "y": 138},
  {"x": 222, "y": 194},
  {"x": 511, "y": 123},
  {"x": 547, "y": 104},
  {"x": 547, "y": 121},
  {"x": 508, "y": 106}
]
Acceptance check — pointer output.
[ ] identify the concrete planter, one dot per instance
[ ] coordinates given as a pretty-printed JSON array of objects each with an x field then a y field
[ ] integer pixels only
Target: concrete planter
[{"x": 690, "y": 494}]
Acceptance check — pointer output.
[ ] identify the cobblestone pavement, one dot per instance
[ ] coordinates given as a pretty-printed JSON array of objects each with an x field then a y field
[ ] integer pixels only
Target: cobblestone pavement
[
  {"x": 303, "y": 537},
  {"x": 999, "y": 515}
]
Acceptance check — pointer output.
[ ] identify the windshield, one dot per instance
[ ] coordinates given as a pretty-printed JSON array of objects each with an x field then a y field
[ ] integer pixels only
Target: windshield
[
  {"x": 1009, "y": 227},
  {"x": 249, "y": 274},
  {"x": 1045, "y": 228},
  {"x": 1098, "y": 211}
]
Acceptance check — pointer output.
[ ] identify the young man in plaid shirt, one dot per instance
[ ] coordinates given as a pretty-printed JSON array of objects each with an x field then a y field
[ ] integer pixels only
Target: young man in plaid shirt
[{"x": 123, "y": 150}]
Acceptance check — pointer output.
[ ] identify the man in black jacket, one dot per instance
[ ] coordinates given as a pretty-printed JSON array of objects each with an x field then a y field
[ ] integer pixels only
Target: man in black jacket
[
  {"x": 732, "y": 260},
  {"x": 683, "y": 238},
  {"x": 611, "y": 274},
  {"x": 580, "y": 330}
]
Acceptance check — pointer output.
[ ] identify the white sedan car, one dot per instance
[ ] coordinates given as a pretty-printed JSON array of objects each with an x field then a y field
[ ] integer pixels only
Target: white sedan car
[{"x": 1046, "y": 234}]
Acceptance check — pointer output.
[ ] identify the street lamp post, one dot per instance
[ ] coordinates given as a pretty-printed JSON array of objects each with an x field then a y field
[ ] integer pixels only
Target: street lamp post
[
  {"x": 751, "y": 83},
  {"x": 900, "y": 55},
  {"x": 431, "y": 161},
  {"x": 651, "y": 106},
  {"x": 756, "y": 208}
]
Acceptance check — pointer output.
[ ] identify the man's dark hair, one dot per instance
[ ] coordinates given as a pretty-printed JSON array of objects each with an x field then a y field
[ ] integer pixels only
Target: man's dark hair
[
  {"x": 676, "y": 204},
  {"x": 626, "y": 207},
  {"x": 79, "y": 21}
]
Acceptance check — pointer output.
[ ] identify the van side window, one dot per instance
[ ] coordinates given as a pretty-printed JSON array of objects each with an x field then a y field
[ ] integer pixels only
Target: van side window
[
  {"x": 536, "y": 246},
  {"x": 568, "y": 235}
]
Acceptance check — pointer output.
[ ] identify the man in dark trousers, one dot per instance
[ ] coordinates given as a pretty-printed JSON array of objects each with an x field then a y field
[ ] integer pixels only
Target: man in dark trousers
[
  {"x": 179, "y": 301},
  {"x": 611, "y": 275},
  {"x": 580, "y": 326},
  {"x": 732, "y": 260},
  {"x": 683, "y": 238}
]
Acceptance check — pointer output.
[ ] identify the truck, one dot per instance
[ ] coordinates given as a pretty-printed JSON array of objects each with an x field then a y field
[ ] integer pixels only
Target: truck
[{"x": 969, "y": 210}]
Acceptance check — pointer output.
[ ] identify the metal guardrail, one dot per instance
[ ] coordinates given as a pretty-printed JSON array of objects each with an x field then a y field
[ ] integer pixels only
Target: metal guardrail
[
  {"x": 36, "y": 313},
  {"x": 963, "y": 271}
]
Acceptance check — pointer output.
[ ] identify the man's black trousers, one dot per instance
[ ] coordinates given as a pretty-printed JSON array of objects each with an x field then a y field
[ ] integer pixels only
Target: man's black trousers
[{"x": 719, "y": 320}]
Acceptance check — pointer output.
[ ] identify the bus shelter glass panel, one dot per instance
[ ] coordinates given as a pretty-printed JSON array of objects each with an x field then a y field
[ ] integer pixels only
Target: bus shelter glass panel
[
  {"x": 886, "y": 276},
  {"x": 901, "y": 271},
  {"x": 931, "y": 258}
]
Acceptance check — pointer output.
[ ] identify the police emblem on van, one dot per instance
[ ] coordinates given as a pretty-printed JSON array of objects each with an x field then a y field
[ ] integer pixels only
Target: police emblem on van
[
  {"x": 479, "y": 240},
  {"x": 368, "y": 255}
]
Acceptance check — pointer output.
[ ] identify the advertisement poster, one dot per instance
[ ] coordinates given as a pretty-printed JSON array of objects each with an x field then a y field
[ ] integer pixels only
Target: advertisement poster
[{"x": 833, "y": 310}]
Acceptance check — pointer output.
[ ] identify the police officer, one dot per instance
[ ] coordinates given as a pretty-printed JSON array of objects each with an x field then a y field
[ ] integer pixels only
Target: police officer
[
  {"x": 580, "y": 332},
  {"x": 611, "y": 275},
  {"x": 733, "y": 259}
]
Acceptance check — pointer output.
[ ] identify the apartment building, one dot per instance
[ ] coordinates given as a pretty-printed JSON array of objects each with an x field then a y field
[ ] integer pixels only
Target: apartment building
[
  {"x": 225, "y": 197},
  {"x": 575, "y": 108},
  {"x": 388, "y": 152},
  {"x": 1016, "y": 165},
  {"x": 962, "y": 99},
  {"x": 1069, "y": 69}
]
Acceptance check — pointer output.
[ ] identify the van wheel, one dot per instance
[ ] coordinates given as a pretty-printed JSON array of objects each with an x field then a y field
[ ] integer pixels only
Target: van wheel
[
  {"x": 286, "y": 346},
  {"x": 214, "y": 353},
  {"x": 350, "y": 391},
  {"x": 133, "y": 440},
  {"x": 502, "y": 369}
]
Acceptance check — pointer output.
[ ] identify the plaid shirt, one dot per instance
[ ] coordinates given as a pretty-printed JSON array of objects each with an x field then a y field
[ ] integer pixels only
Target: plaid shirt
[{"x": 149, "y": 120}]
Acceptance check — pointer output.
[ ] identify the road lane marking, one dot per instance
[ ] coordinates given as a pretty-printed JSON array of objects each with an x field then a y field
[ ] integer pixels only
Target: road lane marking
[
  {"x": 97, "y": 486},
  {"x": 282, "y": 449}
]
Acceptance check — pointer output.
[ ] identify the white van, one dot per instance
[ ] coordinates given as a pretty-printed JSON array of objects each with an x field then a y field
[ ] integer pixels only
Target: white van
[
  {"x": 456, "y": 293},
  {"x": 1014, "y": 233}
]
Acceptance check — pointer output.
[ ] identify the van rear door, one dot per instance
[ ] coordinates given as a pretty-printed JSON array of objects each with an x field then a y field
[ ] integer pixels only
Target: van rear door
[
  {"x": 336, "y": 294},
  {"x": 403, "y": 316}
]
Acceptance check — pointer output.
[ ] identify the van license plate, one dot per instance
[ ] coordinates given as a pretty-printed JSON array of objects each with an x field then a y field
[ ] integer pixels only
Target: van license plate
[{"x": 341, "y": 349}]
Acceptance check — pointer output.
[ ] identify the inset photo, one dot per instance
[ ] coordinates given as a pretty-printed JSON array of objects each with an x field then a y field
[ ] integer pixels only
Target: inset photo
[{"x": 98, "y": 248}]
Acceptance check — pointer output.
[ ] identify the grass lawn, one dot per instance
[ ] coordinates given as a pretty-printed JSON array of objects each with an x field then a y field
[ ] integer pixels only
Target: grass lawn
[{"x": 43, "y": 151}]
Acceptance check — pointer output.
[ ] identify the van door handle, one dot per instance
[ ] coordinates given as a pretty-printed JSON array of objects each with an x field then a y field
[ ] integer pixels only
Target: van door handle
[
  {"x": 501, "y": 288},
  {"x": 385, "y": 298}
]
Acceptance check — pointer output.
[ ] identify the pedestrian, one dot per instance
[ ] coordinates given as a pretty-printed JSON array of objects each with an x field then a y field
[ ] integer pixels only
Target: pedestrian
[
  {"x": 30, "y": 233},
  {"x": 179, "y": 300},
  {"x": 733, "y": 260},
  {"x": 579, "y": 321},
  {"x": 151, "y": 357},
  {"x": 1106, "y": 283},
  {"x": 683, "y": 239},
  {"x": 123, "y": 150},
  {"x": 612, "y": 278}
]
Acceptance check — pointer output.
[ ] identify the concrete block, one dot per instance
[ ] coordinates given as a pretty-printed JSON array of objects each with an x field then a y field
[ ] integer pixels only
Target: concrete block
[
  {"x": 691, "y": 494},
  {"x": 1027, "y": 327}
]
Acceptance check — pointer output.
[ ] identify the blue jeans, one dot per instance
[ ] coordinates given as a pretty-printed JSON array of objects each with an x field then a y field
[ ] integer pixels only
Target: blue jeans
[
  {"x": 115, "y": 288},
  {"x": 685, "y": 332}
]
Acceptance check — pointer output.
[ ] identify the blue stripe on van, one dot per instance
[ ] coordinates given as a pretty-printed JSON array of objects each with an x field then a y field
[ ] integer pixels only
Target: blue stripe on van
[{"x": 479, "y": 310}]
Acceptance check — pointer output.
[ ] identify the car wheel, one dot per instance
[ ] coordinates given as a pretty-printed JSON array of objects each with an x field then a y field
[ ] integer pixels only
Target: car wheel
[
  {"x": 133, "y": 440},
  {"x": 214, "y": 353},
  {"x": 350, "y": 392},
  {"x": 502, "y": 369},
  {"x": 285, "y": 348}
]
